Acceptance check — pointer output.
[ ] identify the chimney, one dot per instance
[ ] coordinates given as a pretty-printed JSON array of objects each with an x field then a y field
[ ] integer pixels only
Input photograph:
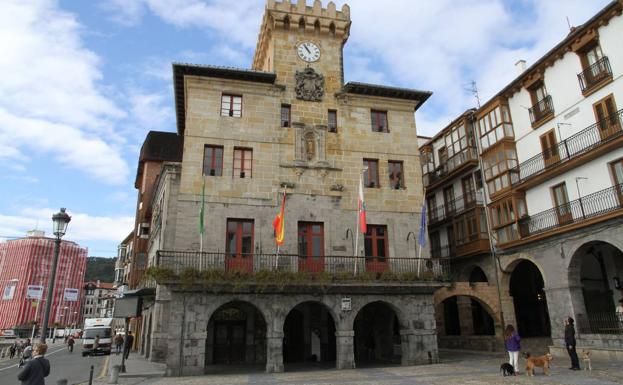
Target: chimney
[{"x": 520, "y": 66}]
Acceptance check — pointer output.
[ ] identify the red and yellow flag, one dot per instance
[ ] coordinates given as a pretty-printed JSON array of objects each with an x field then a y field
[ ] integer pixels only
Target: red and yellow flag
[{"x": 279, "y": 223}]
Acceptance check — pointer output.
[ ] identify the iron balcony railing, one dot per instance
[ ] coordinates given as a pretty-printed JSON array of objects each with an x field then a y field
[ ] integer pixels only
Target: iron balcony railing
[
  {"x": 179, "y": 261},
  {"x": 455, "y": 207},
  {"x": 541, "y": 109},
  {"x": 589, "y": 206},
  {"x": 580, "y": 143},
  {"x": 602, "y": 323},
  {"x": 459, "y": 159},
  {"x": 597, "y": 72}
]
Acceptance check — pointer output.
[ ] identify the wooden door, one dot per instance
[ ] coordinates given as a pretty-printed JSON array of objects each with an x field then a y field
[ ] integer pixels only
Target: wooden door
[
  {"x": 229, "y": 342},
  {"x": 311, "y": 246},
  {"x": 239, "y": 246},
  {"x": 608, "y": 121},
  {"x": 549, "y": 146},
  {"x": 376, "y": 249},
  {"x": 617, "y": 176},
  {"x": 561, "y": 201}
]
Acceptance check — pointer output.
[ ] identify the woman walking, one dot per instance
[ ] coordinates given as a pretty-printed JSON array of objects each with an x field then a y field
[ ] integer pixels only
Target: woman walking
[
  {"x": 512, "y": 339},
  {"x": 37, "y": 369},
  {"x": 570, "y": 344}
]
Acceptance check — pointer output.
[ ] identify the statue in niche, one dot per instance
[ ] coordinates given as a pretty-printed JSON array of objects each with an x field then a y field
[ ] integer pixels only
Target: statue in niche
[{"x": 310, "y": 146}]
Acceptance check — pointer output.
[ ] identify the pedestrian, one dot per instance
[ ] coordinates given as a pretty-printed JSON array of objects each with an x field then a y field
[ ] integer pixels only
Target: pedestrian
[
  {"x": 619, "y": 313},
  {"x": 70, "y": 344},
  {"x": 129, "y": 339},
  {"x": 37, "y": 369},
  {"x": 96, "y": 344},
  {"x": 26, "y": 355},
  {"x": 511, "y": 340},
  {"x": 570, "y": 343},
  {"x": 118, "y": 343},
  {"x": 12, "y": 350}
]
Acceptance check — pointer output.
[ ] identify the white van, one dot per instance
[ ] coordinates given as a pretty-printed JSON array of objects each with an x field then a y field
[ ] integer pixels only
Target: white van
[{"x": 97, "y": 327}]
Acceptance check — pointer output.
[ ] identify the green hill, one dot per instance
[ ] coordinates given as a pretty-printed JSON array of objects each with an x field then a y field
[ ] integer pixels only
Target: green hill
[{"x": 100, "y": 268}]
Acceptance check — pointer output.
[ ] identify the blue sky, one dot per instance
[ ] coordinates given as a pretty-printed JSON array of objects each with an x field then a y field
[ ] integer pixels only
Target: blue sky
[{"x": 82, "y": 82}]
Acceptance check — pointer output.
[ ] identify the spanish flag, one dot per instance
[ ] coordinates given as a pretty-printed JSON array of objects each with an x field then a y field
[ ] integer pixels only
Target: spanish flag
[{"x": 279, "y": 223}]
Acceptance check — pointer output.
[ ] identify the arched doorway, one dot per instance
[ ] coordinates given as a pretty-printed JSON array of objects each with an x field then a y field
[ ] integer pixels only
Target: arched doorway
[
  {"x": 377, "y": 335},
  {"x": 597, "y": 266},
  {"x": 236, "y": 335},
  {"x": 526, "y": 288},
  {"x": 309, "y": 334},
  {"x": 477, "y": 275},
  {"x": 464, "y": 315}
]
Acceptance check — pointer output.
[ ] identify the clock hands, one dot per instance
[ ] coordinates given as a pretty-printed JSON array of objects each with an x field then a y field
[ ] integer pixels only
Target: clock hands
[{"x": 306, "y": 49}]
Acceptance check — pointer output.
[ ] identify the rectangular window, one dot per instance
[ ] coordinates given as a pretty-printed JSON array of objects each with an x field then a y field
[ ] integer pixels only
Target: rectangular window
[
  {"x": 311, "y": 239},
  {"x": 371, "y": 174},
  {"x": 607, "y": 118},
  {"x": 561, "y": 203},
  {"x": 231, "y": 105},
  {"x": 442, "y": 153},
  {"x": 448, "y": 199},
  {"x": 376, "y": 242},
  {"x": 435, "y": 244},
  {"x": 617, "y": 175},
  {"x": 213, "y": 160},
  {"x": 495, "y": 126},
  {"x": 243, "y": 162},
  {"x": 239, "y": 242},
  {"x": 285, "y": 115},
  {"x": 332, "y": 121},
  {"x": 469, "y": 190},
  {"x": 379, "y": 121},
  {"x": 396, "y": 174},
  {"x": 478, "y": 179},
  {"x": 431, "y": 205}
]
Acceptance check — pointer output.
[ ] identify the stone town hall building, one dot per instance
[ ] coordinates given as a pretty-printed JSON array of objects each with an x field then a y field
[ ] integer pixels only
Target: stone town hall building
[{"x": 288, "y": 123}]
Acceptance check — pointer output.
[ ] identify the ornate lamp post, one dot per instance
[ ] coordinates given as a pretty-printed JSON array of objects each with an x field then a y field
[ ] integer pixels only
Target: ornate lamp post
[{"x": 60, "y": 221}]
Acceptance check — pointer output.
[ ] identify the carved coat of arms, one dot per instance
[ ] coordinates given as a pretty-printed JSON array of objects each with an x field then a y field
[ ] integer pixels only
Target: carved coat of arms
[{"x": 309, "y": 85}]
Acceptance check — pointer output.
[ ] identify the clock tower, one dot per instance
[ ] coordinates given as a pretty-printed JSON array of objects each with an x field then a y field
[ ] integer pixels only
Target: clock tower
[{"x": 303, "y": 46}]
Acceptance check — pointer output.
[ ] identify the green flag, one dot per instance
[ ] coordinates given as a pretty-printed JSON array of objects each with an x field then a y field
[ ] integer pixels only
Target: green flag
[{"x": 203, "y": 204}]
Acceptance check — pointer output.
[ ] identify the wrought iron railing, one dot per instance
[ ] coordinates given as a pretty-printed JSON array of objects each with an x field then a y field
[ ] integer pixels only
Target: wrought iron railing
[
  {"x": 466, "y": 155},
  {"x": 595, "y": 73},
  {"x": 580, "y": 143},
  {"x": 179, "y": 261},
  {"x": 602, "y": 323},
  {"x": 541, "y": 109},
  {"x": 589, "y": 206}
]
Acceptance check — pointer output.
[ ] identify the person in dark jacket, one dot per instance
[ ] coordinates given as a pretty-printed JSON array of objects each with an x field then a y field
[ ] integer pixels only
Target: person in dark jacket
[
  {"x": 37, "y": 369},
  {"x": 570, "y": 344},
  {"x": 127, "y": 346},
  {"x": 511, "y": 340}
]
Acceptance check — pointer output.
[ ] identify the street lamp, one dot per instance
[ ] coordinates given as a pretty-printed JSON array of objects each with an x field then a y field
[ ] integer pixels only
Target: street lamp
[{"x": 60, "y": 221}]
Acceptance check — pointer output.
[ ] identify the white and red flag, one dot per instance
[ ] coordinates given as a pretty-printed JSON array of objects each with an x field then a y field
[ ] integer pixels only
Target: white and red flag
[{"x": 362, "y": 209}]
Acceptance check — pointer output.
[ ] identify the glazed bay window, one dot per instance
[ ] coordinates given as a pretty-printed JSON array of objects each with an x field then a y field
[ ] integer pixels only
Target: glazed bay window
[
  {"x": 496, "y": 166},
  {"x": 231, "y": 105},
  {"x": 371, "y": 174},
  {"x": 213, "y": 160},
  {"x": 332, "y": 121},
  {"x": 243, "y": 162},
  {"x": 396, "y": 174},
  {"x": 459, "y": 145},
  {"x": 379, "y": 121},
  {"x": 504, "y": 217},
  {"x": 285, "y": 115},
  {"x": 495, "y": 126}
]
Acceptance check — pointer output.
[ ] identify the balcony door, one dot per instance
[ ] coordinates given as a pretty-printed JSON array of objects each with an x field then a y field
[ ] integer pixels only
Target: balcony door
[
  {"x": 376, "y": 248},
  {"x": 239, "y": 246},
  {"x": 549, "y": 147},
  {"x": 608, "y": 120},
  {"x": 311, "y": 246},
  {"x": 561, "y": 202},
  {"x": 448, "y": 200},
  {"x": 469, "y": 191},
  {"x": 617, "y": 176}
]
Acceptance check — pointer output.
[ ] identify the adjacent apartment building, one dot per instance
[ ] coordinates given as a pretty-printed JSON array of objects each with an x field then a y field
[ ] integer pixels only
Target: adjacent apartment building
[
  {"x": 25, "y": 267},
  {"x": 332, "y": 291},
  {"x": 545, "y": 156}
]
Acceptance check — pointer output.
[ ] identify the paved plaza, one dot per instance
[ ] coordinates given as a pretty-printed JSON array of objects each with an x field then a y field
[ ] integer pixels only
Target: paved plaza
[{"x": 456, "y": 369}]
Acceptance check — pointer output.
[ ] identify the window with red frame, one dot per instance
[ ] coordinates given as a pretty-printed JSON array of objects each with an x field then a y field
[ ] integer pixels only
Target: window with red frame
[
  {"x": 311, "y": 239},
  {"x": 243, "y": 162},
  {"x": 231, "y": 105},
  {"x": 376, "y": 241},
  {"x": 379, "y": 121},
  {"x": 213, "y": 160},
  {"x": 332, "y": 121},
  {"x": 371, "y": 175},
  {"x": 239, "y": 237}
]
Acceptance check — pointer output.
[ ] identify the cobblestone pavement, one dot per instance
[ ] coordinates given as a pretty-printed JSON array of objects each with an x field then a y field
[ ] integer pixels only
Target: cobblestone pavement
[{"x": 457, "y": 369}]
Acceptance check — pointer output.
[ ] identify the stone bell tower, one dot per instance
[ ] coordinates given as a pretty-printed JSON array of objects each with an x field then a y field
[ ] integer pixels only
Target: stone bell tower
[{"x": 295, "y": 37}]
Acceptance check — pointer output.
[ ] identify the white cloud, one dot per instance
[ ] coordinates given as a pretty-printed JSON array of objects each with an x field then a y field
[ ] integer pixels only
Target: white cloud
[
  {"x": 83, "y": 227},
  {"x": 52, "y": 100}
]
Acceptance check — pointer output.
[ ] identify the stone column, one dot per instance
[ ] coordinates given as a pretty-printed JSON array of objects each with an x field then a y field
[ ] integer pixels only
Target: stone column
[
  {"x": 563, "y": 302},
  {"x": 466, "y": 321},
  {"x": 419, "y": 346},
  {"x": 344, "y": 340},
  {"x": 274, "y": 352},
  {"x": 508, "y": 308}
]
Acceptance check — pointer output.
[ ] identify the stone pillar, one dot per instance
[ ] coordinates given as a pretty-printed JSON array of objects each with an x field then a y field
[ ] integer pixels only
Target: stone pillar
[
  {"x": 466, "y": 320},
  {"x": 274, "y": 352},
  {"x": 563, "y": 302},
  {"x": 508, "y": 308},
  {"x": 419, "y": 346},
  {"x": 345, "y": 349}
]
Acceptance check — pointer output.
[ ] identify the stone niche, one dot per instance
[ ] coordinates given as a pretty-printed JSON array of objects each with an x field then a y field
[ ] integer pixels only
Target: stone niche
[{"x": 310, "y": 148}]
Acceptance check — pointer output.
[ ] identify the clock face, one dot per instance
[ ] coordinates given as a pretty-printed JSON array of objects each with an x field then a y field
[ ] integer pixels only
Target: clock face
[{"x": 308, "y": 51}]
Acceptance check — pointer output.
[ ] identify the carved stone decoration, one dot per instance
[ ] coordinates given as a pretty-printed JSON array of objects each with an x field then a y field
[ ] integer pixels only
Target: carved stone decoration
[
  {"x": 310, "y": 143},
  {"x": 309, "y": 85}
]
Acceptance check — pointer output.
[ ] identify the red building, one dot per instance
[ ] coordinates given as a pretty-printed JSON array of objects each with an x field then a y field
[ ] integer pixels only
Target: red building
[{"x": 25, "y": 267}]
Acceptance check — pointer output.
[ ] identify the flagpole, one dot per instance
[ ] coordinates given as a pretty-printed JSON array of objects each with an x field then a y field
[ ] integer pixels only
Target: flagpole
[{"x": 201, "y": 224}]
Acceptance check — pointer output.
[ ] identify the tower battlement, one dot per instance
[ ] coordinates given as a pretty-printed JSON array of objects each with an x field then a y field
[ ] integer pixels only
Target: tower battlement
[{"x": 297, "y": 15}]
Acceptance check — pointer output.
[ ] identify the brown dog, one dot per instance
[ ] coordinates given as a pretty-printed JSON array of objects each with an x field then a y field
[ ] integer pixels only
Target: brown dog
[
  {"x": 586, "y": 357},
  {"x": 540, "y": 361}
]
